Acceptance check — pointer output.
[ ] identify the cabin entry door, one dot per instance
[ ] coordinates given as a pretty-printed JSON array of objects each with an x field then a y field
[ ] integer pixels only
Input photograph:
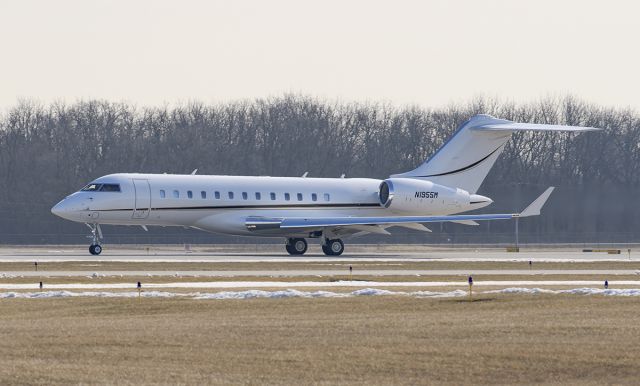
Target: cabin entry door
[{"x": 143, "y": 198}]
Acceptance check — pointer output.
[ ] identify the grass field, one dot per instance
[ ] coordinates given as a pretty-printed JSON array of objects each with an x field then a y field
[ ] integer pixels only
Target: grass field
[{"x": 500, "y": 339}]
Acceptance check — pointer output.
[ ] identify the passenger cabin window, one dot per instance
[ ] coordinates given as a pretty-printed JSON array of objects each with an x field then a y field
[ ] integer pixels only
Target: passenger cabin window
[
  {"x": 176, "y": 194},
  {"x": 273, "y": 195},
  {"x": 327, "y": 197},
  {"x": 299, "y": 196},
  {"x": 245, "y": 195},
  {"x": 258, "y": 196},
  {"x": 217, "y": 195},
  {"x": 162, "y": 194},
  {"x": 189, "y": 194},
  {"x": 287, "y": 196},
  {"x": 230, "y": 195},
  {"x": 203, "y": 194},
  {"x": 314, "y": 197}
]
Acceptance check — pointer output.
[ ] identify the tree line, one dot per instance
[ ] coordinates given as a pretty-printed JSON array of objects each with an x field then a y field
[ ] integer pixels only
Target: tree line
[{"x": 50, "y": 150}]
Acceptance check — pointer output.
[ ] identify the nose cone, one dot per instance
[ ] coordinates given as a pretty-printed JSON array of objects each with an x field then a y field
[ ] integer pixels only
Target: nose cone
[
  {"x": 63, "y": 209},
  {"x": 58, "y": 209},
  {"x": 478, "y": 201}
]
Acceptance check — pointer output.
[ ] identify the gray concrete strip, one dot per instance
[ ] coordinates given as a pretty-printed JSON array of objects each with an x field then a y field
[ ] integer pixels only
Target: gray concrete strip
[
  {"x": 323, "y": 272},
  {"x": 358, "y": 254}
]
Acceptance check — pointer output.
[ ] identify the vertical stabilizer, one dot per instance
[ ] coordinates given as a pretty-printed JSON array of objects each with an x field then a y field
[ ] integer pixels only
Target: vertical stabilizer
[{"x": 467, "y": 157}]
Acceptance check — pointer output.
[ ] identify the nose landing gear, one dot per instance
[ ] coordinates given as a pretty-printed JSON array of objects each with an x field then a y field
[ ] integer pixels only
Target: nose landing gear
[
  {"x": 96, "y": 235},
  {"x": 95, "y": 249}
]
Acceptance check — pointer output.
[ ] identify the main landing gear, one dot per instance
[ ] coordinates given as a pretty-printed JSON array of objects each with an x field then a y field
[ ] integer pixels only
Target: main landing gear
[
  {"x": 296, "y": 246},
  {"x": 333, "y": 247},
  {"x": 330, "y": 247},
  {"x": 96, "y": 235}
]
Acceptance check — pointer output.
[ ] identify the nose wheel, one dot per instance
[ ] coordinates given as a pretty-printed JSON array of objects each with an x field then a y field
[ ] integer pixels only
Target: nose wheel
[
  {"x": 333, "y": 247},
  {"x": 95, "y": 249},
  {"x": 96, "y": 235},
  {"x": 296, "y": 246}
]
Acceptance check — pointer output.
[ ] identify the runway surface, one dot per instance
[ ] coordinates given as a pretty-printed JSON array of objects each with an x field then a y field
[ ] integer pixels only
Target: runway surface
[
  {"x": 272, "y": 253},
  {"x": 325, "y": 272},
  {"x": 397, "y": 262}
]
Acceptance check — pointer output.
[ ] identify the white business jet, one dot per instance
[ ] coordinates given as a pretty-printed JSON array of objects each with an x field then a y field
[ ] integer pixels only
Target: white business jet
[{"x": 296, "y": 208}]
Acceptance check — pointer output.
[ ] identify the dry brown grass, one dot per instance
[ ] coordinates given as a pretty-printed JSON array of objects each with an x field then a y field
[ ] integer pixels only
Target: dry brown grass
[{"x": 365, "y": 340}]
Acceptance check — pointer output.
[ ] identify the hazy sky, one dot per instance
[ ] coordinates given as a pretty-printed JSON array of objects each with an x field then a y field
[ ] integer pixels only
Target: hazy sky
[{"x": 421, "y": 52}]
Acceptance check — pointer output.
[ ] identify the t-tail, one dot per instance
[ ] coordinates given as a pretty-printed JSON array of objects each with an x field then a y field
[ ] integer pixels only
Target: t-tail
[{"x": 467, "y": 157}]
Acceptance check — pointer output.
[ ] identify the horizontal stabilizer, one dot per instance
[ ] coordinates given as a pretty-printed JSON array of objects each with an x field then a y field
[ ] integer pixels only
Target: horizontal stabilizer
[{"x": 516, "y": 126}]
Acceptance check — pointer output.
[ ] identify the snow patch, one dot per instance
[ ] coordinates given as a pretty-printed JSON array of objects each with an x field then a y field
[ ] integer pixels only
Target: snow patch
[
  {"x": 252, "y": 294},
  {"x": 575, "y": 291},
  {"x": 374, "y": 292},
  {"x": 431, "y": 294}
]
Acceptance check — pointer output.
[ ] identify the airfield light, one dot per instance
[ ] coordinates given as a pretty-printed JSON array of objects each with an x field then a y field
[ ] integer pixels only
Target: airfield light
[
  {"x": 139, "y": 289},
  {"x": 350, "y": 273},
  {"x": 606, "y": 284},
  {"x": 470, "y": 280},
  {"x": 40, "y": 285},
  {"x": 36, "y": 265}
]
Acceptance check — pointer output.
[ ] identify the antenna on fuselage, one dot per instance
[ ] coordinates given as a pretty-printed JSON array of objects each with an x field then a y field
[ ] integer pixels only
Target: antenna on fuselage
[
  {"x": 194, "y": 172},
  {"x": 342, "y": 175},
  {"x": 305, "y": 174}
]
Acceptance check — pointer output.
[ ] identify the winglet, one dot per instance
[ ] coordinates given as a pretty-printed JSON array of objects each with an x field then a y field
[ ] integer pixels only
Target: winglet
[{"x": 534, "y": 208}]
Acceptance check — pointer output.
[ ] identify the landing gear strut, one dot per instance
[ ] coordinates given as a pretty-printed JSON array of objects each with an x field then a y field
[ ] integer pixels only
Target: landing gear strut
[
  {"x": 333, "y": 247},
  {"x": 96, "y": 235},
  {"x": 296, "y": 246}
]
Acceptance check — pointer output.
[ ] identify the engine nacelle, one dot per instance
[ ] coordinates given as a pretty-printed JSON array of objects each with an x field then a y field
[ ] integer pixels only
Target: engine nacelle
[{"x": 408, "y": 195}]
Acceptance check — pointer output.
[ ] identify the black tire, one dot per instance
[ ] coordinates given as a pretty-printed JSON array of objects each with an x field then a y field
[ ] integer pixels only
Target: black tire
[
  {"x": 289, "y": 249},
  {"x": 296, "y": 246},
  {"x": 95, "y": 249},
  {"x": 333, "y": 247},
  {"x": 336, "y": 246}
]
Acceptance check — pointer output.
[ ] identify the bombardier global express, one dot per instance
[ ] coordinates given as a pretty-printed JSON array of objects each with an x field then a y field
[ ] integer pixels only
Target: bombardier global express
[{"x": 297, "y": 208}]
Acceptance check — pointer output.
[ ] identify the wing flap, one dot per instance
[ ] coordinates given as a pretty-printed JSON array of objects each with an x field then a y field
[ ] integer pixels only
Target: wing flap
[
  {"x": 466, "y": 222},
  {"x": 329, "y": 222}
]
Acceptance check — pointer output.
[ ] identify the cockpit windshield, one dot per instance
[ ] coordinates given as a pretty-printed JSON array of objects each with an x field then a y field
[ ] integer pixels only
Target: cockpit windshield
[
  {"x": 110, "y": 188},
  {"x": 91, "y": 188},
  {"x": 101, "y": 188}
]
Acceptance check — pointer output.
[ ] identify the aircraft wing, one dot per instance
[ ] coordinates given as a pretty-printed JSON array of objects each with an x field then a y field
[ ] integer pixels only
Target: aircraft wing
[{"x": 372, "y": 224}]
